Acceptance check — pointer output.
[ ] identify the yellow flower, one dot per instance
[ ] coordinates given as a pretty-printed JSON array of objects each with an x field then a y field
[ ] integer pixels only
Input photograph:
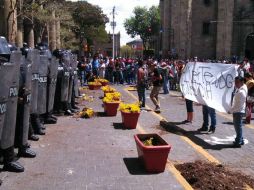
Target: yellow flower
[
  {"x": 87, "y": 98},
  {"x": 107, "y": 89},
  {"x": 86, "y": 113},
  {"x": 94, "y": 83},
  {"x": 101, "y": 80},
  {"x": 148, "y": 142},
  {"x": 130, "y": 108},
  {"x": 112, "y": 97}
]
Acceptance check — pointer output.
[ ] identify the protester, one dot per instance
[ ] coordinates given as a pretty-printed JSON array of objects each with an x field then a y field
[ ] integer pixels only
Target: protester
[
  {"x": 95, "y": 66},
  {"x": 165, "y": 75},
  {"x": 102, "y": 69},
  {"x": 250, "y": 97},
  {"x": 82, "y": 72},
  {"x": 157, "y": 85},
  {"x": 141, "y": 84},
  {"x": 208, "y": 111},
  {"x": 238, "y": 110},
  {"x": 189, "y": 107}
]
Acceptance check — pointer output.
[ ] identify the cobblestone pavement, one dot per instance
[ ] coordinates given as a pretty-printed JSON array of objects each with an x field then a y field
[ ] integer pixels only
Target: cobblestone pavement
[{"x": 96, "y": 153}]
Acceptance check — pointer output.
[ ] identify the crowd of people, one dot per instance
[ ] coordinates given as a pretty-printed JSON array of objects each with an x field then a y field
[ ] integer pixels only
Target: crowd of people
[
  {"x": 165, "y": 75},
  {"x": 124, "y": 70}
]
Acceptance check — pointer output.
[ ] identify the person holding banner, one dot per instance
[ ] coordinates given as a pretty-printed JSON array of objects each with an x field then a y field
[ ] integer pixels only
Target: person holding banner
[
  {"x": 238, "y": 110},
  {"x": 208, "y": 111},
  {"x": 189, "y": 107},
  {"x": 250, "y": 97}
]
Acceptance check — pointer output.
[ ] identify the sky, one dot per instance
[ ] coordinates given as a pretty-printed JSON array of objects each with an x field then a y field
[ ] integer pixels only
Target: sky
[{"x": 124, "y": 9}]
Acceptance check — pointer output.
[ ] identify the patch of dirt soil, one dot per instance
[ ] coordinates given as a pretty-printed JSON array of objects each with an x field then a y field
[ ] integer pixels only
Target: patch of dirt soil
[{"x": 204, "y": 175}]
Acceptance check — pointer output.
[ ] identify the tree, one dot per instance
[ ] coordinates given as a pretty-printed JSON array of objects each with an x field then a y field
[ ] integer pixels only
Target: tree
[
  {"x": 57, "y": 22},
  {"x": 9, "y": 19},
  {"x": 126, "y": 51},
  {"x": 89, "y": 22},
  {"x": 145, "y": 23}
]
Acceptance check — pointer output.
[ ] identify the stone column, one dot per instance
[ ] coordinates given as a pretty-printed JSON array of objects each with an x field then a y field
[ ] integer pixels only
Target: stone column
[
  {"x": 2, "y": 21},
  {"x": 52, "y": 31},
  {"x": 29, "y": 32},
  {"x": 166, "y": 27},
  {"x": 224, "y": 28},
  {"x": 58, "y": 33},
  {"x": 189, "y": 29},
  {"x": 10, "y": 20}
]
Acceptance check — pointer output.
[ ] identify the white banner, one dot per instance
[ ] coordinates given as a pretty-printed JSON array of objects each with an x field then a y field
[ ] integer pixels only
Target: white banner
[{"x": 209, "y": 84}]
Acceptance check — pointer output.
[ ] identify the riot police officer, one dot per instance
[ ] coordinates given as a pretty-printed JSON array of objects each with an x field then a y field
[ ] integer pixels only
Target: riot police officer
[
  {"x": 23, "y": 110},
  {"x": 62, "y": 85},
  {"x": 8, "y": 96},
  {"x": 31, "y": 135}
]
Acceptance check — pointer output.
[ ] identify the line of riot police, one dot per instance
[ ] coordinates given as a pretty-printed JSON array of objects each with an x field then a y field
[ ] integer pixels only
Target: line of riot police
[{"x": 33, "y": 85}]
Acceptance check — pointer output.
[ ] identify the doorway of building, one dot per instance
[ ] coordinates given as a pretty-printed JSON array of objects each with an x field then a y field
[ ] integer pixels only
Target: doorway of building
[{"x": 249, "y": 49}]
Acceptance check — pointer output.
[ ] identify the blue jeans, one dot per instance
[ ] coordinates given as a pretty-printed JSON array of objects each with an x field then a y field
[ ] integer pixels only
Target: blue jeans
[
  {"x": 141, "y": 94},
  {"x": 83, "y": 77},
  {"x": 166, "y": 85},
  {"x": 238, "y": 124},
  {"x": 96, "y": 72},
  {"x": 207, "y": 111}
]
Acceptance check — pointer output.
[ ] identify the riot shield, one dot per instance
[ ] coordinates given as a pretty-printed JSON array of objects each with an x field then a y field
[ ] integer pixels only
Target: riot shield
[
  {"x": 71, "y": 71},
  {"x": 52, "y": 79},
  {"x": 4, "y": 83},
  {"x": 58, "y": 92},
  {"x": 66, "y": 78},
  {"x": 42, "y": 86},
  {"x": 33, "y": 58},
  {"x": 75, "y": 73},
  {"x": 23, "y": 113},
  {"x": 8, "y": 132}
]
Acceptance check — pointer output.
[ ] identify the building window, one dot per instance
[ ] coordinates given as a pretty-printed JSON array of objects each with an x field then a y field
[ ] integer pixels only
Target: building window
[
  {"x": 207, "y": 2},
  {"x": 206, "y": 28}
]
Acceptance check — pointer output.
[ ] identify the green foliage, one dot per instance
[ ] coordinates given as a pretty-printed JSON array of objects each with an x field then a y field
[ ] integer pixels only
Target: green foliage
[
  {"x": 79, "y": 20},
  {"x": 86, "y": 15},
  {"x": 89, "y": 22},
  {"x": 145, "y": 23},
  {"x": 126, "y": 51}
]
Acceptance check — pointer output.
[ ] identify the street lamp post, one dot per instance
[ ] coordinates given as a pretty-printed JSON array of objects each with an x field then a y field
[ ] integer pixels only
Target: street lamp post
[{"x": 113, "y": 24}]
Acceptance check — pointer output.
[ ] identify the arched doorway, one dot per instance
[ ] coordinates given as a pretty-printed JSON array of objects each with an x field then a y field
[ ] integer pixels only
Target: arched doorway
[{"x": 249, "y": 48}]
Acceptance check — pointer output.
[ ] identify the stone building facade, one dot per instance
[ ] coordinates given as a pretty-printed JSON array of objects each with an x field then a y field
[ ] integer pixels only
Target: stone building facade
[{"x": 208, "y": 29}]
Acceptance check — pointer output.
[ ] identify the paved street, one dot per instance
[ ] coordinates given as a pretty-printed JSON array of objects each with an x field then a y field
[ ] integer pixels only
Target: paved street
[{"x": 98, "y": 153}]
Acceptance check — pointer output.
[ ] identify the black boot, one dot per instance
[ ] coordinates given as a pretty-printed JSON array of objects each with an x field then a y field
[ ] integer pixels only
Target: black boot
[
  {"x": 37, "y": 125},
  {"x": 40, "y": 132},
  {"x": 75, "y": 107},
  {"x": 68, "y": 113},
  {"x": 52, "y": 116},
  {"x": 31, "y": 135},
  {"x": 13, "y": 167},
  {"x": 50, "y": 120},
  {"x": 9, "y": 163},
  {"x": 26, "y": 152}
]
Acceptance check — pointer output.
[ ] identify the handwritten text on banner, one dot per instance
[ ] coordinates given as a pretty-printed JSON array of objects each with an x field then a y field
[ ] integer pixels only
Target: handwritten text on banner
[{"x": 209, "y": 84}]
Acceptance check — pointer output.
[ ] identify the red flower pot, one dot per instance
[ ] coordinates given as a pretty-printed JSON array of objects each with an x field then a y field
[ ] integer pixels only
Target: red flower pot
[
  {"x": 104, "y": 83},
  {"x": 111, "y": 108},
  {"x": 153, "y": 157},
  {"x": 130, "y": 120},
  {"x": 94, "y": 87}
]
